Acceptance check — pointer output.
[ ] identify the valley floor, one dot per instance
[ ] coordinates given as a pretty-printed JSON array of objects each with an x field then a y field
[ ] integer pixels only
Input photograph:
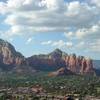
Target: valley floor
[{"x": 41, "y": 87}]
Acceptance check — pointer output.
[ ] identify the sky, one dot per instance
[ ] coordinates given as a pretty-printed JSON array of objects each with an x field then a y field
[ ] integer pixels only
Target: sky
[{"x": 40, "y": 26}]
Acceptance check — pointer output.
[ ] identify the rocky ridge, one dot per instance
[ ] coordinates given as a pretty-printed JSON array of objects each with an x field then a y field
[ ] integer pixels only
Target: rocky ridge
[
  {"x": 57, "y": 60},
  {"x": 62, "y": 62}
]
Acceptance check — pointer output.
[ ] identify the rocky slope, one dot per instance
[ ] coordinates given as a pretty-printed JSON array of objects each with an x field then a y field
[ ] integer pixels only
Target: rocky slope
[
  {"x": 12, "y": 60},
  {"x": 61, "y": 71}
]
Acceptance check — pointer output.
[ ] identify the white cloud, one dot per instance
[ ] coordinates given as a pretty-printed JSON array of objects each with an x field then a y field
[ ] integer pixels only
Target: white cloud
[
  {"x": 48, "y": 15},
  {"x": 29, "y": 40},
  {"x": 68, "y": 34},
  {"x": 96, "y": 2},
  {"x": 69, "y": 44},
  {"x": 92, "y": 32},
  {"x": 58, "y": 44},
  {"x": 52, "y": 3},
  {"x": 47, "y": 42},
  {"x": 2, "y": 8},
  {"x": 95, "y": 46},
  {"x": 92, "y": 46},
  {"x": 73, "y": 8},
  {"x": 77, "y": 20},
  {"x": 88, "y": 39}
]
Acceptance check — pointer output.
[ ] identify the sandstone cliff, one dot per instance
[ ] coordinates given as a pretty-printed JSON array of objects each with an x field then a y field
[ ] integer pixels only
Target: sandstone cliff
[
  {"x": 9, "y": 57},
  {"x": 57, "y": 61}
]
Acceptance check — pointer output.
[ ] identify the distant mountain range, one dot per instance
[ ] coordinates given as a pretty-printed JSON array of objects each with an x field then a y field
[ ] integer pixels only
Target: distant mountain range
[
  {"x": 96, "y": 64},
  {"x": 57, "y": 62}
]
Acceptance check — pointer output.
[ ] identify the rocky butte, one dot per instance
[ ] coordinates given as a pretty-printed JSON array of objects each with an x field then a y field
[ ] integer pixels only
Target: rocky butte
[
  {"x": 9, "y": 56},
  {"x": 11, "y": 60},
  {"x": 58, "y": 62}
]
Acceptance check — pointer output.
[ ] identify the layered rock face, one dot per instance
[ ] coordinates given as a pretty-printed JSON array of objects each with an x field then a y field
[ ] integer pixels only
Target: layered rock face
[
  {"x": 79, "y": 65},
  {"x": 9, "y": 56},
  {"x": 58, "y": 60}
]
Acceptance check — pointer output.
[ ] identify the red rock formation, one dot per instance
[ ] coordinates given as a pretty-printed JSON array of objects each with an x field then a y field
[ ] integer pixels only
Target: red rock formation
[
  {"x": 9, "y": 55},
  {"x": 79, "y": 65},
  {"x": 72, "y": 63},
  {"x": 87, "y": 66},
  {"x": 61, "y": 71},
  {"x": 57, "y": 73},
  {"x": 52, "y": 61}
]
